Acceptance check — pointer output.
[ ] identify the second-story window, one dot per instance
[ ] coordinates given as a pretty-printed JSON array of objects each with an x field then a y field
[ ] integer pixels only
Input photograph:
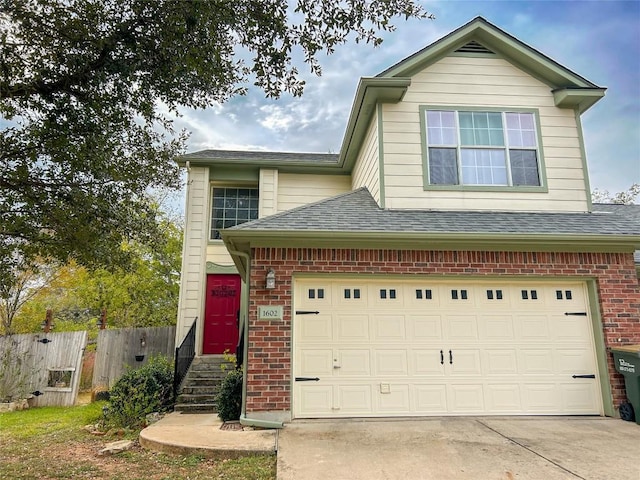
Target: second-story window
[
  {"x": 232, "y": 206},
  {"x": 482, "y": 148}
]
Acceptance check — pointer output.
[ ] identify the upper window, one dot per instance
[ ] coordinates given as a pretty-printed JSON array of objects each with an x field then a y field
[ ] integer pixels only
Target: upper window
[
  {"x": 482, "y": 148},
  {"x": 232, "y": 206}
]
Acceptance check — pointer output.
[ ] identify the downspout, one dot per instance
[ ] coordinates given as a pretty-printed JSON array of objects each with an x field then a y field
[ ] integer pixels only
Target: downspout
[{"x": 244, "y": 420}]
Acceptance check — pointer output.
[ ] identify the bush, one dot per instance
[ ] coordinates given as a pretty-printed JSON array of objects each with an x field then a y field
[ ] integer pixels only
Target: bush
[
  {"x": 140, "y": 392},
  {"x": 229, "y": 399}
]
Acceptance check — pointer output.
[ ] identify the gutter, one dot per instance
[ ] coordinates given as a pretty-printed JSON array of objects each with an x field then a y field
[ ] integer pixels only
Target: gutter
[{"x": 244, "y": 420}]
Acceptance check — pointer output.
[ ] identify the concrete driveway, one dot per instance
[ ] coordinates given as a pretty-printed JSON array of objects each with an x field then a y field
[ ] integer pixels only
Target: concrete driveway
[{"x": 477, "y": 448}]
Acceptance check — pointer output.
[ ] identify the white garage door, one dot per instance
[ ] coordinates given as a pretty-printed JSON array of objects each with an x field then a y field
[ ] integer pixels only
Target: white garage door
[{"x": 389, "y": 347}]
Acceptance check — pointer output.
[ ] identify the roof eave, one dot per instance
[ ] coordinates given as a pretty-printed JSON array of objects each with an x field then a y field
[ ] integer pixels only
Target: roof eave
[
  {"x": 580, "y": 98},
  {"x": 244, "y": 240},
  {"x": 370, "y": 92}
]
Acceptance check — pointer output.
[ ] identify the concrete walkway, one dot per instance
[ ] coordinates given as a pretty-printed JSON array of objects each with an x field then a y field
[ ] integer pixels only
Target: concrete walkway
[
  {"x": 200, "y": 433},
  {"x": 441, "y": 448},
  {"x": 549, "y": 448}
]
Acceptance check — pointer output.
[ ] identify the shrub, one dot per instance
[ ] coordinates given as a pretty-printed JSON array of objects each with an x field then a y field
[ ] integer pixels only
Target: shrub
[
  {"x": 229, "y": 399},
  {"x": 140, "y": 392}
]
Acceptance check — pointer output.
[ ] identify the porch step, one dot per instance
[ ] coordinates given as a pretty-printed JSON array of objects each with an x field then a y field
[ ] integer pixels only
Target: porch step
[{"x": 202, "y": 383}]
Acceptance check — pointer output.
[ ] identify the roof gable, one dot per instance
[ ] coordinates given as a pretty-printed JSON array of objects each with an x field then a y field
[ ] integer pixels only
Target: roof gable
[{"x": 481, "y": 36}]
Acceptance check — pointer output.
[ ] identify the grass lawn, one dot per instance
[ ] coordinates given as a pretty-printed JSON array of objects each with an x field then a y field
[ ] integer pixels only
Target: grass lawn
[{"x": 50, "y": 443}]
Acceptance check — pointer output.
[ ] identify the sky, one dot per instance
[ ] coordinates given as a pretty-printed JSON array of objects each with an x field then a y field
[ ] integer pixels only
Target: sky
[{"x": 599, "y": 40}]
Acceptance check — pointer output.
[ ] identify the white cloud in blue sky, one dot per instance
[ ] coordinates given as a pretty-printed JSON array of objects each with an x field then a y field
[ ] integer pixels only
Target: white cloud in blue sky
[{"x": 599, "y": 40}]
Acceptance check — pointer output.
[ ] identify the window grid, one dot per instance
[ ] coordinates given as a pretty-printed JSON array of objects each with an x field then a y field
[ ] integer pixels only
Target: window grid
[
  {"x": 232, "y": 206},
  {"x": 478, "y": 133}
]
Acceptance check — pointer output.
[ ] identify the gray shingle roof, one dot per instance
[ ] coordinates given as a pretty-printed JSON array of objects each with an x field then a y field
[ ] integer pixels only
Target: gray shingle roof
[
  {"x": 630, "y": 211},
  {"x": 357, "y": 211},
  {"x": 265, "y": 157}
]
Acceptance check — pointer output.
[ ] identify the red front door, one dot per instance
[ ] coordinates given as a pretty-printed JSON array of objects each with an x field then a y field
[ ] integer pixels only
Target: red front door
[{"x": 221, "y": 312}]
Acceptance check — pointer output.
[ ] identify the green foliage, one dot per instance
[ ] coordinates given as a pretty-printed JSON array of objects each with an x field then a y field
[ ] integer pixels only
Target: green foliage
[
  {"x": 85, "y": 86},
  {"x": 144, "y": 295},
  {"x": 140, "y": 392},
  {"x": 229, "y": 399}
]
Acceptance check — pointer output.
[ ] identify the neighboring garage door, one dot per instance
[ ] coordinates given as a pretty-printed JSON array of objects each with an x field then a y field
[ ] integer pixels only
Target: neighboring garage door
[{"x": 390, "y": 347}]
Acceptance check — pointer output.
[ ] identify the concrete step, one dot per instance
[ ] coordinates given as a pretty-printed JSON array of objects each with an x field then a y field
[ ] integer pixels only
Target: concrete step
[
  {"x": 200, "y": 390},
  {"x": 206, "y": 374},
  {"x": 203, "y": 383},
  {"x": 195, "y": 407},
  {"x": 196, "y": 398}
]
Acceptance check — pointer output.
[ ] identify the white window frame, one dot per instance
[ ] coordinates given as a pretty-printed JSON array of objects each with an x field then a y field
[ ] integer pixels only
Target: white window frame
[{"x": 212, "y": 217}]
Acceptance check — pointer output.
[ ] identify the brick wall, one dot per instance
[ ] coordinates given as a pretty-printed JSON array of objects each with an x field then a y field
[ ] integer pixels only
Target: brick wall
[{"x": 269, "y": 359}]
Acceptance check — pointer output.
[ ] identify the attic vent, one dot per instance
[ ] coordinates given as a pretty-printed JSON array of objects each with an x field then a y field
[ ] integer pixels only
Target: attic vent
[{"x": 474, "y": 47}]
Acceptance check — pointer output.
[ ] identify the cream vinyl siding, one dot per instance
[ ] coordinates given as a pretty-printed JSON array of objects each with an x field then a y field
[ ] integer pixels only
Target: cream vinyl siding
[
  {"x": 295, "y": 190},
  {"x": 268, "y": 196},
  {"x": 217, "y": 253},
  {"x": 481, "y": 82},
  {"x": 366, "y": 172},
  {"x": 194, "y": 250}
]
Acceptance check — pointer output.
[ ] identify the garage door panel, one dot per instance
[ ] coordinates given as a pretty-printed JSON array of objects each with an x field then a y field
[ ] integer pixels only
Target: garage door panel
[
  {"x": 349, "y": 296},
  {"x": 500, "y": 362},
  {"x": 391, "y": 363},
  {"x": 464, "y": 362},
  {"x": 466, "y": 398},
  {"x": 421, "y": 297},
  {"x": 314, "y": 328},
  {"x": 316, "y": 362},
  {"x": 425, "y": 328},
  {"x": 578, "y": 396},
  {"x": 571, "y": 328},
  {"x": 496, "y": 328},
  {"x": 389, "y": 328},
  {"x": 496, "y": 298},
  {"x": 318, "y": 294},
  {"x": 352, "y": 328},
  {"x": 427, "y": 362},
  {"x": 396, "y": 401},
  {"x": 353, "y": 362},
  {"x": 386, "y": 296},
  {"x": 573, "y": 361},
  {"x": 354, "y": 399},
  {"x": 461, "y": 327},
  {"x": 541, "y": 398},
  {"x": 533, "y": 327},
  {"x": 457, "y": 298},
  {"x": 376, "y": 347},
  {"x": 536, "y": 361},
  {"x": 314, "y": 400},
  {"x": 503, "y": 398},
  {"x": 430, "y": 398}
]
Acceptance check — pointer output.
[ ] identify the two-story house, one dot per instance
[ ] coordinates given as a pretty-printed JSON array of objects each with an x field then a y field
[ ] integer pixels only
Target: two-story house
[{"x": 448, "y": 261}]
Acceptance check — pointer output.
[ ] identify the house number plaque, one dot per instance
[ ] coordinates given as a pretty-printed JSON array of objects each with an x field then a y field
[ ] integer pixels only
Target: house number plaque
[{"x": 270, "y": 312}]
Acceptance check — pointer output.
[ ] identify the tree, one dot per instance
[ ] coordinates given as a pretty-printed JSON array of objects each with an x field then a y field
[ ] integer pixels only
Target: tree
[
  {"x": 146, "y": 294},
  {"x": 627, "y": 197},
  {"x": 82, "y": 83},
  {"x": 26, "y": 282}
]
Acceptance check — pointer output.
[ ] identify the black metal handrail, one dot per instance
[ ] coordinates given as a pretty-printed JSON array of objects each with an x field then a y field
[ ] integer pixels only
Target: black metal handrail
[{"x": 185, "y": 354}]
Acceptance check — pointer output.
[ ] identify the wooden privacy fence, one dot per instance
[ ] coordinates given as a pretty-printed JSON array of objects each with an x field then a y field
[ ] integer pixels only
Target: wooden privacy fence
[
  {"x": 120, "y": 348},
  {"x": 45, "y": 365}
]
